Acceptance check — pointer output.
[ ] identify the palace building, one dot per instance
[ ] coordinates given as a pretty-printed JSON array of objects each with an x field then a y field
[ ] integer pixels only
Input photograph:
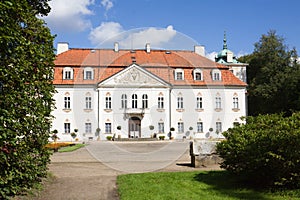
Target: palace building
[{"x": 143, "y": 93}]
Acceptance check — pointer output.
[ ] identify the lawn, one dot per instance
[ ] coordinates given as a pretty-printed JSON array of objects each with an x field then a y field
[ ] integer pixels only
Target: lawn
[
  {"x": 71, "y": 148},
  {"x": 202, "y": 185}
]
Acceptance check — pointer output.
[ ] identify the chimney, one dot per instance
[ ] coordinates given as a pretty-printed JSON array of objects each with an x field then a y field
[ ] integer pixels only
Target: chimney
[
  {"x": 116, "y": 47},
  {"x": 199, "y": 49},
  {"x": 62, "y": 47},
  {"x": 148, "y": 47}
]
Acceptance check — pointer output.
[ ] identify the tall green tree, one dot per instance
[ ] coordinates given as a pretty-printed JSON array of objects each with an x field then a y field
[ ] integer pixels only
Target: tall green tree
[
  {"x": 273, "y": 77},
  {"x": 26, "y": 94}
]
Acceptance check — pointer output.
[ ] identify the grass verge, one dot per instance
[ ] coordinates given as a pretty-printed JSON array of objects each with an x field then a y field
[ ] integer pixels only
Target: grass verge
[
  {"x": 217, "y": 185},
  {"x": 71, "y": 148}
]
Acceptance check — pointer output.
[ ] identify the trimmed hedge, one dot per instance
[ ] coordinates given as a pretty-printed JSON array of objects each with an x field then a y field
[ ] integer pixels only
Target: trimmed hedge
[{"x": 265, "y": 150}]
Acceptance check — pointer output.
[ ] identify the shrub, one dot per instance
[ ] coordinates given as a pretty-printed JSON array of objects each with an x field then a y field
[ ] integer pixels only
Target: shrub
[
  {"x": 161, "y": 137},
  {"x": 264, "y": 151},
  {"x": 109, "y": 137}
]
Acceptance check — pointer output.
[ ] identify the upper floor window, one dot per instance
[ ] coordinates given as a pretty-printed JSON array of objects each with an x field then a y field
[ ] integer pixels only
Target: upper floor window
[
  {"x": 199, "y": 102},
  {"x": 180, "y": 102},
  {"x": 67, "y": 102},
  {"x": 134, "y": 101},
  {"x": 235, "y": 103},
  {"x": 67, "y": 73},
  {"x": 218, "y": 103},
  {"x": 198, "y": 75},
  {"x": 160, "y": 102},
  {"x": 88, "y": 73},
  {"x": 124, "y": 101},
  {"x": 216, "y": 75},
  {"x": 145, "y": 101},
  {"x": 108, "y": 101},
  {"x": 88, "y": 102},
  {"x": 179, "y": 74}
]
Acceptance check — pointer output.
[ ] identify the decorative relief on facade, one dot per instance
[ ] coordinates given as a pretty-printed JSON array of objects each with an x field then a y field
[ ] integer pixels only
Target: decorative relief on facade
[{"x": 134, "y": 76}]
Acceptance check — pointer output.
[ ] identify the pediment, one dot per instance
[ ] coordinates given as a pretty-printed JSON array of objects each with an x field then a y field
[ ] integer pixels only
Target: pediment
[{"x": 133, "y": 76}]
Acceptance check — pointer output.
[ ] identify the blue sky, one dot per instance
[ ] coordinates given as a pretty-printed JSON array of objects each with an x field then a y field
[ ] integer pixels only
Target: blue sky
[{"x": 171, "y": 24}]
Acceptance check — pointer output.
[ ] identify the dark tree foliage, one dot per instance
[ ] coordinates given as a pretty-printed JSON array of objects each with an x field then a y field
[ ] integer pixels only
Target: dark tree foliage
[
  {"x": 273, "y": 77},
  {"x": 265, "y": 151},
  {"x": 26, "y": 97}
]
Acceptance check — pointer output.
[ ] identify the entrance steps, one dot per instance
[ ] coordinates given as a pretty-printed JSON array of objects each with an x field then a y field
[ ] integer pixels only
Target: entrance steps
[{"x": 136, "y": 139}]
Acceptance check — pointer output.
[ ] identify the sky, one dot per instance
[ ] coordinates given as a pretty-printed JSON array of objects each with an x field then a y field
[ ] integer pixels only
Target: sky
[{"x": 173, "y": 24}]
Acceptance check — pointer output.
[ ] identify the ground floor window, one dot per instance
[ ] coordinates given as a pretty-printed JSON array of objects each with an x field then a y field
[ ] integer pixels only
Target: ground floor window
[
  {"x": 88, "y": 127},
  {"x": 161, "y": 128},
  {"x": 200, "y": 127},
  {"x": 180, "y": 127},
  {"x": 67, "y": 127},
  {"x": 218, "y": 127},
  {"x": 107, "y": 127}
]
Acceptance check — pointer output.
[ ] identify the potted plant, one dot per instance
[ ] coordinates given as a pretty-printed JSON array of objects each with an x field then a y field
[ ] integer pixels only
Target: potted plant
[{"x": 73, "y": 134}]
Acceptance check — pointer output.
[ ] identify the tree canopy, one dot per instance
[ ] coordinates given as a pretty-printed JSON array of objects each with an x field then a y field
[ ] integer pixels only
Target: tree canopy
[
  {"x": 26, "y": 95},
  {"x": 273, "y": 76}
]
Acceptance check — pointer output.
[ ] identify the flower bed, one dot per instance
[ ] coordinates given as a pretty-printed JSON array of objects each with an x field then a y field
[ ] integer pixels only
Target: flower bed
[{"x": 56, "y": 145}]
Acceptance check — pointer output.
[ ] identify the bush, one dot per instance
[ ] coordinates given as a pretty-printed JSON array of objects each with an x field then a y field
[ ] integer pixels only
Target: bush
[
  {"x": 161, "y": 137},
  {"x": 109, "y": 137},
  {"x": 265, "y": 151}
]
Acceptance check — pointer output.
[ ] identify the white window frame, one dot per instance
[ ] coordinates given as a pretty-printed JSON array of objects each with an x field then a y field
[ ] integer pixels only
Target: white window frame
[
  {"x": 123, "y": 101},
  {"x": 160, "y": 104},
  {"x": 88, "y": 127},
  {"x": 199, "y": 102},
  {"x": 68, "y": 73},
  {"x": 198, "y": 71},
  {"x": 218, "y": 102},
  {"x": 235, "y": 102},
  {"x": 88, "y": 102},
  {"x": 134, "y": 101},
  {"x": 108, "y": 127},
  {"x": 180, "y": 126},
  {"x": 67, "y": 128},
  {"x": 67, "y": 102},
  {"x": 161, "y": 127},
  {"x": 88, "y": 73},
  {"x": 199, "y": 127},
  {"x": 218, "y": 127},
  {"x": 108, "y": 102},
  {"x": 216, "y": 75},
  {"x": 179, "y": 102},
  {"x": 145, "y": 101},
  {"x": 179, "y": 74}
]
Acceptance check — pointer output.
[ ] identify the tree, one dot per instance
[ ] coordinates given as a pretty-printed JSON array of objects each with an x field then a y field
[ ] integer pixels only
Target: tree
[
  {"x": 26, "y": 100},
  {"x": 273, "y": 77}
]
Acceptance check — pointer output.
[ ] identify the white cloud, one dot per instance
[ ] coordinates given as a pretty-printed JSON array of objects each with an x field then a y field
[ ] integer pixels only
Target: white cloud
[
  {"x": 69, "y": 15},
  {"x": 211, "y": 55},
  {"x": 109, "y": 32},
  {"x": 105, "y": 32},
  {"x": 107, "y": 4}
]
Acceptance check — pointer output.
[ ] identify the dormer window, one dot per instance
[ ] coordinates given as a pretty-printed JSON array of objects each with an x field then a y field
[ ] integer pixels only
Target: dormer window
[
  {"x": 179, "y": 74},
  {"x": 198, "y": 75},
  {"x": 216, "y": 75},
  {"x": 88, "y": 73},
  {"x": 67, "y": 73}
]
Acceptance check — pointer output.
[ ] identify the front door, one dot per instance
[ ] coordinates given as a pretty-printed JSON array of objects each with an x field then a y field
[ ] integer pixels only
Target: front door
[{"x": 134, "y": 125}]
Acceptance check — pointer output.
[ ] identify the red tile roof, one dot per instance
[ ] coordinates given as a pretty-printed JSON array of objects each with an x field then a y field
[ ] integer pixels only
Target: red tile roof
[{"x": 161, "y": 63}]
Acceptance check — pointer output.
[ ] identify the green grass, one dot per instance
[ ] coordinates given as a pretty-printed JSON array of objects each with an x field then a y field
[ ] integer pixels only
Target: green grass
[
  {"x": 213, "y": 185},
  {"x": 71, "y": 148}
]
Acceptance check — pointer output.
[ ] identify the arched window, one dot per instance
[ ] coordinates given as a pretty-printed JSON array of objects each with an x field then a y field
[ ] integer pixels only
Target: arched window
[
  {"x": 124, "y": 101},
  {"x": 145, "y": 101},
  {"x": 134, "y": 101}
]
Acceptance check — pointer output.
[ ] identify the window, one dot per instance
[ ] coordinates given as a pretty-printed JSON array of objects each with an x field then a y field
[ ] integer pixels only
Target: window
[
  {"x": 107, "y": 127},
  {"x": 134, "y": 101},
  {"x": 107, "y": 102},
  {"x": 88, "y": 102},
  {"x": 161, "y": 127},
  {"x": 67, "y": 101},
  {"x": 180, "y": 127},
  {"x": 179, "y": 102},
  {"x": 200, "y": 127},
  {"x": 199, "y": 103},
  {"x": 88, "y": 73},
  {"x": 197, "y": 74},
  {"x": 124, "y": 101},
  {"x": 179, "y": 74},
  {"x": 235, "y": 103},
  {"x": 216, "y": 75},
  {"x": 218, "y": 103},
  {"x": 218, "y": 127},
  {"x": 160, "y": 102},
  {"x": 67, "y": 73},
  {"x": 145, "y": 101},
  {"x": 88, "y": 127},
  {"x": 67, "y": 127}
]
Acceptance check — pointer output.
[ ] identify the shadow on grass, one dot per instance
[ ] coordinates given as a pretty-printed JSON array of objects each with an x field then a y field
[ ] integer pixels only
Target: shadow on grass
[{"x": 224, "y": 183}]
